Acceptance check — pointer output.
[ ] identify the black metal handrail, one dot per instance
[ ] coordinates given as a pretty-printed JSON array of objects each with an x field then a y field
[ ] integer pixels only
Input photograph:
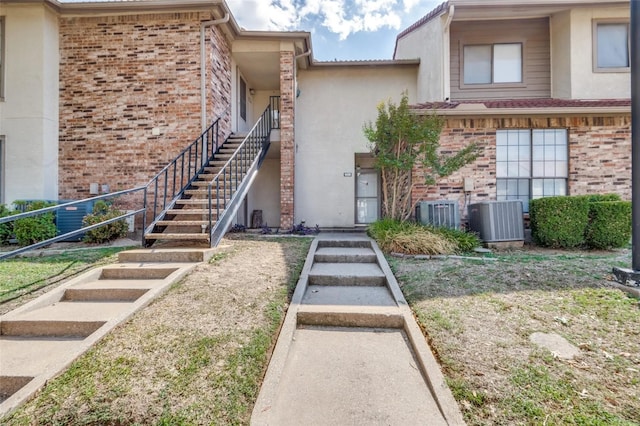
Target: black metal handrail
[
  {"x": 111, "y": 196},
  {"x": 236, "y": 175},
  {"x": 168, "y": 186}
]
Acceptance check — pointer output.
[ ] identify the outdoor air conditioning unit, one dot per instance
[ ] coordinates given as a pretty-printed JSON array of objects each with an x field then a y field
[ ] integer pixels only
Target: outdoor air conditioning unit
[
  {"x": 496, "y": 221},
  {"x": 438, "y": 213},
  {"x": 69, "y": 219}
]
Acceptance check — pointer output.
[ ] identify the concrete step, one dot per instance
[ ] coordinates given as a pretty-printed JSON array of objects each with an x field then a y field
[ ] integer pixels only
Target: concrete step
[
  {"x": 345, "y": 255},
  {"x": 364, "y": 243},
  {"x": 12, "y": 384},
  {"x": 136, "y": 272},
  {"x": 22, "y": 356},
  {"x": 346, "y": 274},
  {"x": 348, "y": 295},
  {"x": 103, "y": 294},
  {"x": 193, "y": 212},
  {"x": 350, "y": 316},
  {"x": 183, "y": 223},
  {"x": 183, "y": 237},
  {"x": 165, "y": 255}
]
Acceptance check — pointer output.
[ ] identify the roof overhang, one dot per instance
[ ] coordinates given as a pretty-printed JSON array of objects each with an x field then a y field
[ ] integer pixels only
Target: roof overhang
[{"x": 471, "y": 110}]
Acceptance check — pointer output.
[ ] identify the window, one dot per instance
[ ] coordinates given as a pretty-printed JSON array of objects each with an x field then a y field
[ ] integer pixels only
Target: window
[
  {"x": 1, "y": 57},
  {"x": 243, "y": 99},
  {"x": 611, "y": 46},
  {"x": 531, "y": 164},
  {"x": 492, "y": 63}
]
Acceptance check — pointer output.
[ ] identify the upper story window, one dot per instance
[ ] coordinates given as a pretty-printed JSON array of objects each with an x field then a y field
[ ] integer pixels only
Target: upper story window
[
  {"x": 492, "y": 63},
  {"x": 610, "y": 46},
  {"x": 1, "y": 57}
]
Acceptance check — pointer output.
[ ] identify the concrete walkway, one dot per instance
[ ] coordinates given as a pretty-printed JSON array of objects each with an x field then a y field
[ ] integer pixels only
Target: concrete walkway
[
  {"x": 42, "y": 338},
  {"x": 350, "y": 351}
]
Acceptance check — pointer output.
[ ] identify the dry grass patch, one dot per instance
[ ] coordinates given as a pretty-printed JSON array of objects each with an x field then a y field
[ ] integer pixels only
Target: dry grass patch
[
  {"x": 478, "y": 317},
  {"x": 195, "y": 356}
]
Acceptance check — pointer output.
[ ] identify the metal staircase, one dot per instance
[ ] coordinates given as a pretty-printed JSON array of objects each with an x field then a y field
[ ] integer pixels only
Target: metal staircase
[{"x": 203, "y": 209}]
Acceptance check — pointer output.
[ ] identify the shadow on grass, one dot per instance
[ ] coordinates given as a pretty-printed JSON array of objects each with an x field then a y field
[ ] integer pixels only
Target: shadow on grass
[{"x": 506, "y": 272}]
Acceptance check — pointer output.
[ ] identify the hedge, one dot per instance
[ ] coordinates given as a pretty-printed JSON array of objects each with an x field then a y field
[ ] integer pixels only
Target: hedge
[
  {"x": 559, "y": 222},
  {"x": 609, "y": 224}
]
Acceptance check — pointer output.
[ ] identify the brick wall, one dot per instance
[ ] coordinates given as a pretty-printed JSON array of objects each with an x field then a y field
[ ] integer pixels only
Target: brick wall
[
  {"x": 599, "y": 156},
  {"x": 123, "y": 76},
  {"x": 287, "y": 139}
]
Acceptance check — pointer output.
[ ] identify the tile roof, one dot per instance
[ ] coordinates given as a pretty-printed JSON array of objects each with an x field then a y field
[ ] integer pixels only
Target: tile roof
[{"x": 528, "y": 103}]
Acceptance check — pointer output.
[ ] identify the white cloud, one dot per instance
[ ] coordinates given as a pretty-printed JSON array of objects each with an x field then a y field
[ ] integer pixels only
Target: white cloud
[{"x": 341, "y": 17}]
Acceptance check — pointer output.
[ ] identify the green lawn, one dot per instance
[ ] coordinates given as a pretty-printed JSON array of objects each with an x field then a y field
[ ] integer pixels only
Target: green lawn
[{"x": 23, "y": 275}]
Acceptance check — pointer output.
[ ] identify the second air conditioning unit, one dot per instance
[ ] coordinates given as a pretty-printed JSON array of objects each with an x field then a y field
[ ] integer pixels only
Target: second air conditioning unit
[
  {"x": 496, "y": 221},
  {"x": 443, "y": 213}
]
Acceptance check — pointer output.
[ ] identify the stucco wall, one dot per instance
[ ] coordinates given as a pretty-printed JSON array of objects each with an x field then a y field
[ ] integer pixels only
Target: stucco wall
[
  {"x": 426, "y": 43},
  {"x": 587, "y": 84},
  {"x": 265, "y": 193},
  {"x": 29, "y": 114},
  {"x": 333, "y": 106},
  {"x": 124, "y": 76}
]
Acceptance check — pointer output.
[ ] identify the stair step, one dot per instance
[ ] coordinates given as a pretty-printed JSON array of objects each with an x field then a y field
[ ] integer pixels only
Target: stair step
[
  {"x": 345, "y": 255},
  {"x": 49, "y": 328},
  {"x": 202, "y": 192},
  {"x": 103, "y": 294},
  {"x": 124, "y": 272},
  {"x": 160, "y": 236},
  {"x": 183, "y": 223},
  {"x": 198, "y": 201},
  {"x": 159, "y": 256},
  {"x": 192, "y": 212},
  {"x": 346, "y": 274}
]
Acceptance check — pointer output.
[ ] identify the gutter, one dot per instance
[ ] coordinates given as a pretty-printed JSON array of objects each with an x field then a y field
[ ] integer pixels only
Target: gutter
[{"x": 203, "y": 67}]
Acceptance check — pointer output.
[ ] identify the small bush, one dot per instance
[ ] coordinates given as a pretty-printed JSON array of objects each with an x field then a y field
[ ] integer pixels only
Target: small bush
[
  {"x": 6, "y": 229},
  {"x": 598, "y": 198},
  {"x": 466, "y": 241},
  {"x": 31, "y": 230},
  {"x": 609, "y": 224},
  {"x": 559, "y": 222},
  {"x": 301, "y": 229},
  {"x": 102, "y": 211},
  {"x": 410, "y": 238}
]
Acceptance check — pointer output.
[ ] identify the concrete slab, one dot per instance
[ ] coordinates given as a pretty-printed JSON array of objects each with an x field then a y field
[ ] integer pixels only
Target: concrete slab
[
  {"x": 176, "y": 255},
  {"x": 24, "y": 356},
  {"x": 348, "y": 295},
  {"x": 345, "y": 255},
  {"x": 72, "y": 311},
  {"x": 346, "y": 274},
  {"x": 556, "y": 344},
  {"x": 350, "y": 377}
]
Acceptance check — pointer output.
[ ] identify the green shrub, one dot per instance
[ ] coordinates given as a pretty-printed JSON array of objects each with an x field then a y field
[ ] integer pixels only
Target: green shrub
[
  {"x": 31, "y": 230},
  {"x": 412, "y": 238},
  {"x": 103, "y": 211},
  {"x": 559, "y": 222},
  {"x": 466, "y": 241},
  {"x": 609, "y": 224},
  {"x": 6, "y": 229},
  {"x": 597, "y": 198}
]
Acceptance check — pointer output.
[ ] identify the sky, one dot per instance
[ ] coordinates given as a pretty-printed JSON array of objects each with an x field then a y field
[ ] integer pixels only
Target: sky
[{"x": 340, "y": 29}]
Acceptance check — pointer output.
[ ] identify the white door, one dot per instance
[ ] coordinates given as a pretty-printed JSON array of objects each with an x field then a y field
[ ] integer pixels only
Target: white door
[{"x": 367, "y": 206}]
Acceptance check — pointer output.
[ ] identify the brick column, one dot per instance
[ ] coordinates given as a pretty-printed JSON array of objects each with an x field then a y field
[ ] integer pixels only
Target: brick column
[{"x": 287, "y": 139}]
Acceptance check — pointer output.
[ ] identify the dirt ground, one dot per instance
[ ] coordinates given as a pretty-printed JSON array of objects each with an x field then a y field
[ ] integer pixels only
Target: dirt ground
[{"x": 479, "y": 316}]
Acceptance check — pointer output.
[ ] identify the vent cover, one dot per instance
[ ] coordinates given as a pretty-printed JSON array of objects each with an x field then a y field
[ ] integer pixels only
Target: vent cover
[
  {"x": 438, "y": 213},
  {"x": 497, "y": 220}
]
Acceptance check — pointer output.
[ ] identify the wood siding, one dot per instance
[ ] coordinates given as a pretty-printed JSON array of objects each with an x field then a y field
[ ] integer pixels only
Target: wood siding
[{"x": 534, "y": 36}]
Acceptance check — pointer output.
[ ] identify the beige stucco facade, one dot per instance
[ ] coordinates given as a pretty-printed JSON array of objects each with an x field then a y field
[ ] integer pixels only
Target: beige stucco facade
[
  {"x": 29, "y": 110},
  {"x": 334, "y": 104},
  {"x": 430, "y": 44}
]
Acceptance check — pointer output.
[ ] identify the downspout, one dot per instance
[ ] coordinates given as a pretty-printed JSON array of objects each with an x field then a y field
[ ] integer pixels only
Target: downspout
[
  {"x": 203, "y": 68},
  {"x": 446, "y": 64}
]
